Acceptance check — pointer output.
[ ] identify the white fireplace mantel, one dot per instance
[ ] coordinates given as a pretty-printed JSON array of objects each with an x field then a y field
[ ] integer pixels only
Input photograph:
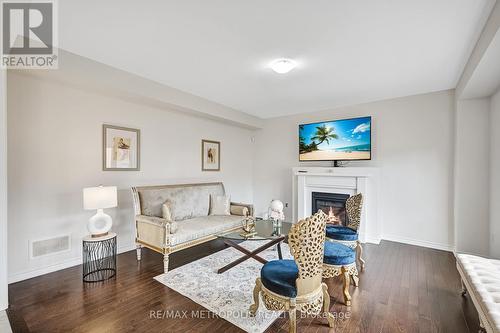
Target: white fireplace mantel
[{"x": 346, "y": 180}]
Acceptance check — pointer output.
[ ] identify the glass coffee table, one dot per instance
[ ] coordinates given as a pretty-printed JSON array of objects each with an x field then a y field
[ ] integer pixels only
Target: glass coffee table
[{"x": 264, "y": 230}]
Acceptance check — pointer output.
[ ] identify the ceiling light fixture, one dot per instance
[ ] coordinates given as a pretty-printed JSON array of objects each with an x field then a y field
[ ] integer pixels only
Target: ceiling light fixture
[{"x": 283, "y": 65}]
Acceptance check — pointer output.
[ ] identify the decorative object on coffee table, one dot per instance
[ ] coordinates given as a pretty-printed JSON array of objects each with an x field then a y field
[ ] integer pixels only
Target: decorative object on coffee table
[
  {"x": 276, "y": 211},
  {"x": 121, "y": 148},
  {"x": 99, "y": 198},
  {"x": 99, "y": 258},
  {"x": 248, "y": 226},
  {"x": 264, "y": 230},
  {"x": 210, "y": 155}
]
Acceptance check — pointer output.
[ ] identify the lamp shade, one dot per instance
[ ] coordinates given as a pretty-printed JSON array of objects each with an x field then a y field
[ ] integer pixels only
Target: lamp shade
[{"x": 99, "y": 197}]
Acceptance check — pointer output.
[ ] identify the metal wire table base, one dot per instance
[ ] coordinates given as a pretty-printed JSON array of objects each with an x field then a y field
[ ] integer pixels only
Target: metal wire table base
[{"x": 99, "y": 258}]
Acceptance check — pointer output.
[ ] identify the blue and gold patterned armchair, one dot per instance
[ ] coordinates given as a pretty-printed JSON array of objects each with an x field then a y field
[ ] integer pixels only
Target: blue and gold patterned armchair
[
  {"x": 291, "y": 285},
  {"x": 348, "y": 235}
]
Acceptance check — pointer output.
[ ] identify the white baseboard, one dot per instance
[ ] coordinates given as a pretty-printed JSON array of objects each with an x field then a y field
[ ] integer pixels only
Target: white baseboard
[
  {"x": 4, "y": 306},
  {"x": 57, "y": 267},
  {"x": 477, "y": 254},
  {"x": 418, "y": 242},
  {"x": 4, "y": 322}
]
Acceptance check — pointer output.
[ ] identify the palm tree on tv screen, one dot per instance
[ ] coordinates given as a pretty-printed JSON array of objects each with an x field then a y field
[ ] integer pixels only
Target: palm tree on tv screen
[{"x": 323, "y": 134}]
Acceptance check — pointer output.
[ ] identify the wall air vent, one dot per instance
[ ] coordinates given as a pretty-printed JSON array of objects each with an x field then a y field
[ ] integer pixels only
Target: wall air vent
[{"x": 44, "y": 247}]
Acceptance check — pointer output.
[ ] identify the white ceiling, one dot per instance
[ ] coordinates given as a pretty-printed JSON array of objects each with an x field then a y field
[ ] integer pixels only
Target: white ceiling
[{"x": 349, "y": 52}]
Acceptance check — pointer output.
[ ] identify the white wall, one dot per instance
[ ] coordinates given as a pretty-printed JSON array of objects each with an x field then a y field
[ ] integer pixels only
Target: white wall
[
  {"x": 54, "y": 150},
  {"x": 412, "y": 146},
  {"x": 3, "y": 192},
  {"x": 495, "y": 176},
  {"x": 472, "y": 176}
]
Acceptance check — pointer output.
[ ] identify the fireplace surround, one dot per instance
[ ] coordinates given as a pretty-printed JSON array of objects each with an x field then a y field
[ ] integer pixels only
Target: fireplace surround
[{"x": 341, "y": 180}]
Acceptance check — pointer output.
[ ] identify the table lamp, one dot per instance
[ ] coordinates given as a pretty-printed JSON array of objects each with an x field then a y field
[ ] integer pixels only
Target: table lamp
[{"x": 99, "y": 197}]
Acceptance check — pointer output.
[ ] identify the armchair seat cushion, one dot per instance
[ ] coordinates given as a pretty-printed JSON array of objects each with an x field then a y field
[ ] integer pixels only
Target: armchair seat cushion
[
  {"x": 279, "y": 277},
  {"x": 341, "y": 233},
  {"x": 338, "y": 254}
]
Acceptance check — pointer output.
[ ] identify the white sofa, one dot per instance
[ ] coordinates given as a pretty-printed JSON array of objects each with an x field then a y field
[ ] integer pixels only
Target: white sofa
[
  {"x": 481, "y": 279},
  {"x": 190, "y": 222}
]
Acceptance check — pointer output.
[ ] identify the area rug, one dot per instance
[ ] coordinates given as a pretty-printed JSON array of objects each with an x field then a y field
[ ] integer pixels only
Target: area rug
[{"x": 230, "y": 294}]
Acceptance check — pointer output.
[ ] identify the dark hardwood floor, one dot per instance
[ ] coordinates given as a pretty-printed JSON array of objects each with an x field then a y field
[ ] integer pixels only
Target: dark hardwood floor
[{"x": 404, "y": 289}]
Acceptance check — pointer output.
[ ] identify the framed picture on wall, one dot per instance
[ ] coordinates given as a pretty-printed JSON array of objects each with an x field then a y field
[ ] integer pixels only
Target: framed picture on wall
[
  {"x": 210, "y": 155},
  {"x": 121, "y": 148}
]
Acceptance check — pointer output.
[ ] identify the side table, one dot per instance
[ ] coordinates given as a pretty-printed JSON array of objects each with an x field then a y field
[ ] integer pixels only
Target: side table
[{"x": 99, "y": 257}]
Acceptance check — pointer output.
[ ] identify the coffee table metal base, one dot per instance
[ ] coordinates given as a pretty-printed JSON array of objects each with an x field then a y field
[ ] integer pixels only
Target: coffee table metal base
[{"x": 251, "y": 254}]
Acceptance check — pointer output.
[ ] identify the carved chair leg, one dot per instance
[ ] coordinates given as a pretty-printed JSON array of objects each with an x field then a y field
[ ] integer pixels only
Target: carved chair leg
[
  {"x": 293, "y": 317},
  {"x": 326, "y": 306},
  {"x": 464, "y": 289},
  {"x": 355, "y": 278},
  {"x": 347, "y": 282},
  {"x": 359, "y": 255},
  {"x": 138, "y": 250},
  {"x": 165, "y": 263},
  {"x": 256, "y": 297}
]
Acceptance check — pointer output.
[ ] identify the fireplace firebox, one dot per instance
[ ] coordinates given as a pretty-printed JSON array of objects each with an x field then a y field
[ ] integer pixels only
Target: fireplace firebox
[{"x": 332, "y": 204}]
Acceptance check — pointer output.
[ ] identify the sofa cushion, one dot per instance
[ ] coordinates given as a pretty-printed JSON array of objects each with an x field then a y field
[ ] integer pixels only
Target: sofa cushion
[
  {"x": 220, "y": 205},
  {"x": 239, "y": 210},
  {"x": 341, "y": 233},
  {"x": 167, "y": 215},
  {"x": 484, "y": 276},
  {"x": 338, "y": 254},
  {"x": 199, "y": 227},
  {"x": 166, "y": 211},
  {"x": 279, "y": 276},
  {"x": 186, "y": 201}
]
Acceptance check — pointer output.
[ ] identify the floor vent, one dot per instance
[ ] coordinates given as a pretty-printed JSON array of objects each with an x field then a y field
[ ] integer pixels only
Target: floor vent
[{"x": 49, "y": 246}]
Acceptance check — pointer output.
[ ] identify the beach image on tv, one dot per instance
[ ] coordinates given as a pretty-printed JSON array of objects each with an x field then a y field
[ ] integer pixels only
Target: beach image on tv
[{"x": 348, "y": 139}]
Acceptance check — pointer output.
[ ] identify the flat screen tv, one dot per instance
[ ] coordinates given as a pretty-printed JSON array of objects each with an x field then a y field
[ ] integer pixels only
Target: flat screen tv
[{"x": 336, "y": 140}]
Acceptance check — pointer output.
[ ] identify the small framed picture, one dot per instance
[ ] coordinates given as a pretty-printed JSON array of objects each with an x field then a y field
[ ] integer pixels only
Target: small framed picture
[
  {"x": 121, "y": 148},
  {"x": 210, "y": 155}
]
